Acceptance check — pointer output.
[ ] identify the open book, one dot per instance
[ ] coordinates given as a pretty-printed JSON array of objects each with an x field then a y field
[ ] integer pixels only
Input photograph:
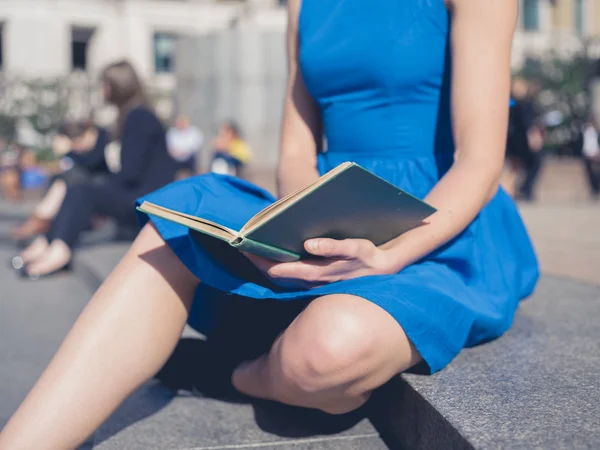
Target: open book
[{"x": 346, "y": 202}]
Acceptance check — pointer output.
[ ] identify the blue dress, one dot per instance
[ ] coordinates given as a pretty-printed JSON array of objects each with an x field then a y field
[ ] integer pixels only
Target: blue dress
[{"x": 380, "y": 75}]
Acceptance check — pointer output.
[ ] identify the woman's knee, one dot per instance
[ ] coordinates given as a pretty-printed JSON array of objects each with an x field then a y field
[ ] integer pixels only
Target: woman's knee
[
  {"x": 343, "y": 341},
  {"x": 328, "y": 345}
]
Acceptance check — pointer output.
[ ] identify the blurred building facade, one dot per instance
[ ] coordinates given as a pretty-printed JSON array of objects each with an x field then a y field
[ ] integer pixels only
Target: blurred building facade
[
  {"x": 562, "y": 27},
  {"x": 213, "y": 59},
  {"x": 54, "y": 37},
  {"x": 46, "y": 39}
]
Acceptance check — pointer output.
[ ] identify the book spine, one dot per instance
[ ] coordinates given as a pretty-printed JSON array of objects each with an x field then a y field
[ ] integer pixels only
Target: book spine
[{"x": 266, "y": 251}]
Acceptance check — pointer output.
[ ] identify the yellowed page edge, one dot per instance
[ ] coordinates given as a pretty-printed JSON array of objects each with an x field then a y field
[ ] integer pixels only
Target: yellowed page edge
[{"x": 195, "y": 223}]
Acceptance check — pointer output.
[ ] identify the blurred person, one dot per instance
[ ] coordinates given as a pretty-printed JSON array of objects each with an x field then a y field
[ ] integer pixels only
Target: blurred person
[
  {"x": 418, "y": 94},
  {"x": 525, "y": 141},
  {"x": 80, "y": 146},
  {"x": 231, "y": 154},
  {"x": 10, "y": 177},
  {"x": 184, "y": 142},
  {"x": 145, "y": 165},
  {"x": 510, "y": 171},
  {"x": 33, "y": 176},
  {"x": 532, "y": 160},
  {"x": 591, "y": 157}
]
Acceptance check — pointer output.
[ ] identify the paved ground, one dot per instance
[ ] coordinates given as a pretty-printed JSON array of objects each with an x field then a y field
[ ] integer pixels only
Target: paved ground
[
  {"x": 34, "y": 318},
  {"x": 566, "y": 238}
]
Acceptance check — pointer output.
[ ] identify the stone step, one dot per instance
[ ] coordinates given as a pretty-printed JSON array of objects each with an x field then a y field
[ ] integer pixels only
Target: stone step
[{"x": 536, "y": 387}]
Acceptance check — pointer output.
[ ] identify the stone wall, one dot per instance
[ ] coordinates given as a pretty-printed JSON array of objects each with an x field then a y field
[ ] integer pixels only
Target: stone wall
[{"x": 239, "y": 74}]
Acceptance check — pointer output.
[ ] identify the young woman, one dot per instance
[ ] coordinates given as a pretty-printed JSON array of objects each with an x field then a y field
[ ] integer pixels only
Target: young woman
[
  {"x": 145, "y": 165},
  {"x": 379, "y": 81}
]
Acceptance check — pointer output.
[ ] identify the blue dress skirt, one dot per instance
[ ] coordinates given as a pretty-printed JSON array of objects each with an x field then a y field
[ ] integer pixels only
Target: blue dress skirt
[{"x": 380, "y": 77}]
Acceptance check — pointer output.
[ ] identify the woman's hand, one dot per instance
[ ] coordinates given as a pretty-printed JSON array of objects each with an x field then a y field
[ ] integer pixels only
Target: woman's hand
[
  {"x": 339, "y": 260},
  {"x": 61, "y": 145}
]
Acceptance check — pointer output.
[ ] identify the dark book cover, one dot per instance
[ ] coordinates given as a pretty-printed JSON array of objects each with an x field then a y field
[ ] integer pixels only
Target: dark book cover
[{"x": 354, "y": 204}]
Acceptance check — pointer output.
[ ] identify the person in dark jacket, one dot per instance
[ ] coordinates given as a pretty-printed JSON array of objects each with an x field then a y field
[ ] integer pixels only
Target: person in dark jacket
[
  {"x": 525, "y": 141},
  {"x": 81, "y": 146},
  {"x": 144, "y": 166}
]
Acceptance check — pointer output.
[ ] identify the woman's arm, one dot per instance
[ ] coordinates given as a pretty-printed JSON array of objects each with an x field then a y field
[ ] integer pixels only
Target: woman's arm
[
  {"x": 94, "y": 159},
  {"x": 301, "y": 133},
  {"x": 482, "y": 33},
  {"x": 481, "y": 40}
]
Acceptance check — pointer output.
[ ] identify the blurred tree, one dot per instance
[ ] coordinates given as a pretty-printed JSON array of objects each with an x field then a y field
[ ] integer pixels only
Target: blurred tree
[
  {"x": 563, "y": 84},
  {"x": 8, "y": 127}
]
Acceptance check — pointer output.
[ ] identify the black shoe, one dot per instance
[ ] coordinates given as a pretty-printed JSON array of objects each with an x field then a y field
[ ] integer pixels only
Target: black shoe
[{"x": 26, "y": 275}]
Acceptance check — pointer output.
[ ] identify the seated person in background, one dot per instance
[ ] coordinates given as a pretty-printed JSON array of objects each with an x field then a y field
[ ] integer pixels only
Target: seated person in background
[
  {"x": 231, "y": 153},
  {"x": 10, "y": 179},
  {"x": 145, "y": 165},
  {"x": 81, "y": 145},
  {"x": 184, "y": 142},
  {"x": 33, "y": 176}
]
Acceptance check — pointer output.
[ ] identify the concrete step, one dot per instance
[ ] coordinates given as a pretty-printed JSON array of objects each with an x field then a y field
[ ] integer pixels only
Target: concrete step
[
  {"x": 154, "y": 419},
  {"x": 536, "y": 387}
]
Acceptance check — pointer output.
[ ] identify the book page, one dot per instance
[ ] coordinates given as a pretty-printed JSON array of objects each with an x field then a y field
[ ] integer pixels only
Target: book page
[
  {"x": 290, "y": 199},
  {"x": 195, "y": 223}
]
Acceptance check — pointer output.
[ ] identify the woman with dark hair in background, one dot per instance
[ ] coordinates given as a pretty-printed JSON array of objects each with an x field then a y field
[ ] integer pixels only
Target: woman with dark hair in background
[
  {"x": 145, "y": 165},
  {"x": 81, "y": 146}
]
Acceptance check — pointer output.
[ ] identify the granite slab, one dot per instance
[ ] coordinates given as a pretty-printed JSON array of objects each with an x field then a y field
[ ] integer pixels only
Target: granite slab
[{"x": 535, "y": 387}]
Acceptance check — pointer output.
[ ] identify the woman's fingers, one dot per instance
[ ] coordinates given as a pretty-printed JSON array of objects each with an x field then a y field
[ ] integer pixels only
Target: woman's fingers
[
  {"x": 276, "y": 270},
  {"x": 341, "y": 249}
]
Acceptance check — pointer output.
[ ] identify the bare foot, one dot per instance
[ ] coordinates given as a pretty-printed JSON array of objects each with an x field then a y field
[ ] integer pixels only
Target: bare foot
[
  {"x": 56, "y": 257},
  {"x": 31, "y": 253}
]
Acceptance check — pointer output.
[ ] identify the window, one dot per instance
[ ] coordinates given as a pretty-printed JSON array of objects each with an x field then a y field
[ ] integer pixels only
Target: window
[
  {"x": 80, "y": 42},
  {"x": 579, "y": 17},
  {"x": 164, "y": 52},
  {"x": 531, "y": 15}
]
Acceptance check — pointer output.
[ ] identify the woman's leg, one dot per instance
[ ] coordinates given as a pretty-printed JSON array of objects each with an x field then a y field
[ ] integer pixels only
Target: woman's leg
[
  {"x": 50, "y": 205},
  {"x": 46, "y": 210},
  {"x": 122, "y": 338},
  {"x": 593, "y": 175},
  {"x": 331, "y": 357},
  {"x": 81, "y": 203}
]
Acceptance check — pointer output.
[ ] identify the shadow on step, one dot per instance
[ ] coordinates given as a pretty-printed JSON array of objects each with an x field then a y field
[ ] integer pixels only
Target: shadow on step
[{"x": 203, "y": 368}]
